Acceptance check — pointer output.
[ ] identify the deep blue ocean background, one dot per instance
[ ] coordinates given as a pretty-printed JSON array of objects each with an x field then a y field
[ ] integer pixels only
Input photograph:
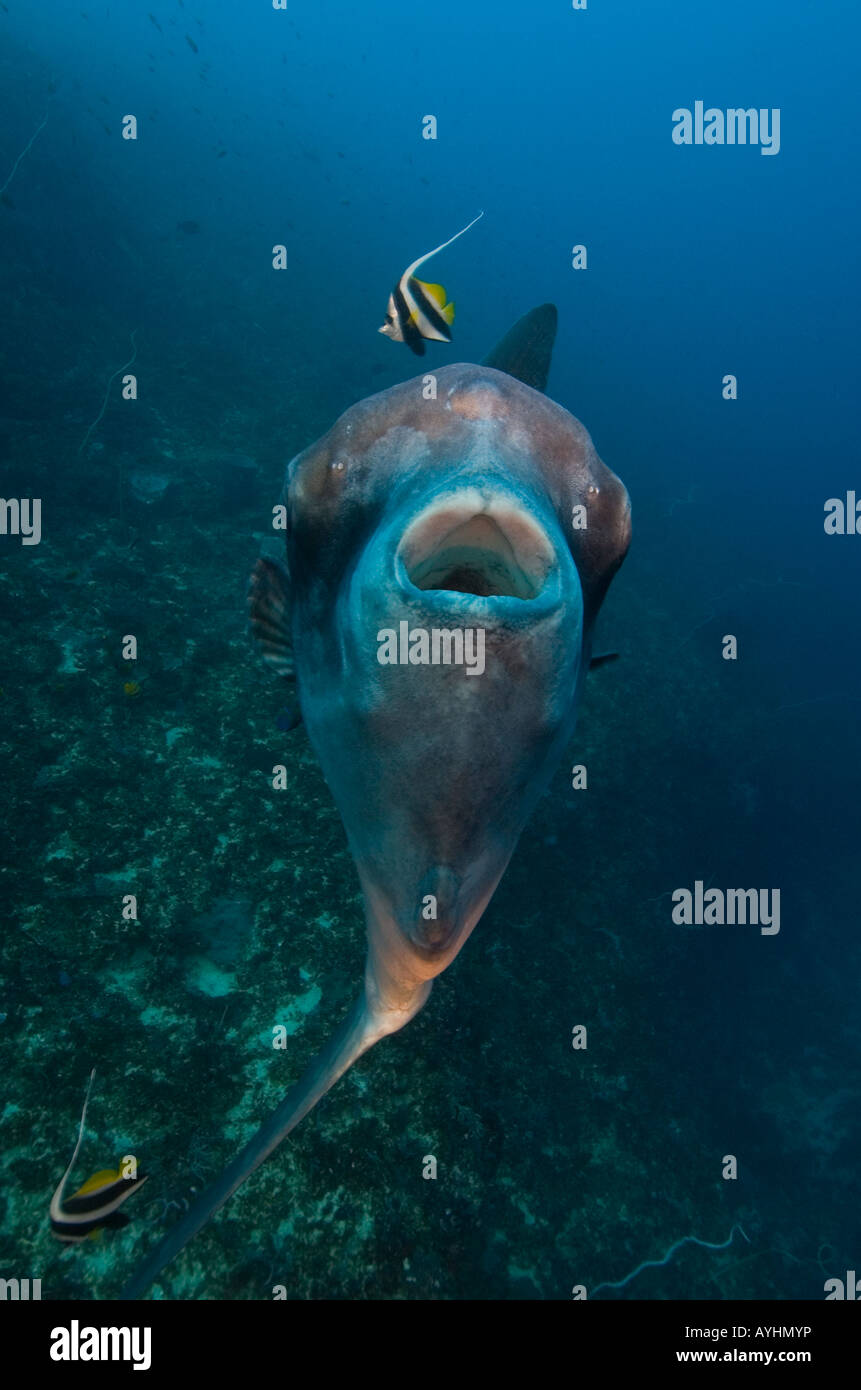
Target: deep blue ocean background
[{"x": 557, "y": 1167}]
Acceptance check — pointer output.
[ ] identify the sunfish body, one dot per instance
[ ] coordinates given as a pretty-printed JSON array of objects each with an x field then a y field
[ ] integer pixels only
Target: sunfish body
[{"x": 420, "y": 534}]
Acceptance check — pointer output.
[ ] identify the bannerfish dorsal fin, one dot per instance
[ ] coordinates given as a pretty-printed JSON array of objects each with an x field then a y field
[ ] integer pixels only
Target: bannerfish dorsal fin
[
  {"x": 526, "y": 349},
  {"x": 269, "y": 609}
]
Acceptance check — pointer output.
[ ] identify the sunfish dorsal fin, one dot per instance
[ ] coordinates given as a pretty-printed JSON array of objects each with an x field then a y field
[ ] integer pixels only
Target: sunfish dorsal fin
[{"x": 526, "y": 349}]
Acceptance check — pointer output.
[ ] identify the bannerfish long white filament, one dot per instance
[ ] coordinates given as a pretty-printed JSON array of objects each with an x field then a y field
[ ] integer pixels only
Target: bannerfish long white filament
[{"x": 95, "y": 1204}]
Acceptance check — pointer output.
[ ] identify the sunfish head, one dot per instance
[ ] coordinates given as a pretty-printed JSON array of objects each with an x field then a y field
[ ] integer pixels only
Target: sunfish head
[{"x": 447, "y": 559}]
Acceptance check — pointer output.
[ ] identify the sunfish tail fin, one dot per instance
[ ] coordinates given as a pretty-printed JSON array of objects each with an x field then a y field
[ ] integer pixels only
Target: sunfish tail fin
[
  {"x": 354, "y": 1037},
  {"x": 527, "y": 348}
]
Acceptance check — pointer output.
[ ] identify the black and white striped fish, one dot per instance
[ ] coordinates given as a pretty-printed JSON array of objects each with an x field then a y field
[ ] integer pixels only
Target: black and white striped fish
[
  {"x": 418, "y": 310},
  {"x": 95, "y": 1204}
]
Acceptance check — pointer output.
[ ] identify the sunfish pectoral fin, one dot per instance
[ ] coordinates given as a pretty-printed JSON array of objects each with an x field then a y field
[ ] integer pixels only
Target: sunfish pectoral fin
[
  {"x": 602, "y": 659},
  {"x": 363, "y": 1026},
  {"x": 269, "y": 611}
]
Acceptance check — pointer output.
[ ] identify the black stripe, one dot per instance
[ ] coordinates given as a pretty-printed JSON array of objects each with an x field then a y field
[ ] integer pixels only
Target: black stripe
[
  {"x": 67, "y": 1230},
  {"x": 94, "y": 1201},
  {"x": 429, "y": 309},
  {"x": 412, "y": 336}
]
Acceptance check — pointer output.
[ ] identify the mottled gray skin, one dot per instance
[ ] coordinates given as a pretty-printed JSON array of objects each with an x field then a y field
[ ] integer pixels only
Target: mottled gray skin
[{"x": 434, "y": 771}]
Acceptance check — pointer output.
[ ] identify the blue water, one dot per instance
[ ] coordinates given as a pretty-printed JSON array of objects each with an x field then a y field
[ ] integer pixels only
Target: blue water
[{"x": 557, "y": 1167}]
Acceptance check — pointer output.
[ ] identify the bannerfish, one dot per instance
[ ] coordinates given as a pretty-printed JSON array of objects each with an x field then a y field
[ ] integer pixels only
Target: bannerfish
[
  {"x": 95, "y": 1205},
  {"x": 417, "y": 531},
  {"x": 418, "y": 310}
]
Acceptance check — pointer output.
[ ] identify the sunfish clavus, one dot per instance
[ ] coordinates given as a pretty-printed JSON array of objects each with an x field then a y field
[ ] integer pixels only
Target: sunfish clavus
[{"x": 445, "y": 562}]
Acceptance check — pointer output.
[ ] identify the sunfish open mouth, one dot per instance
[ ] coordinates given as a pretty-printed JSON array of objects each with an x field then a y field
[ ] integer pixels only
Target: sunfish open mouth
[{"x": 471, "y": 546}]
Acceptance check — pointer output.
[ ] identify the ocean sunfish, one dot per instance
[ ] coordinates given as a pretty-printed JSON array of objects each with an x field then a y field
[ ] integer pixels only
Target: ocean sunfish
[{"x": 445, "y": 561}]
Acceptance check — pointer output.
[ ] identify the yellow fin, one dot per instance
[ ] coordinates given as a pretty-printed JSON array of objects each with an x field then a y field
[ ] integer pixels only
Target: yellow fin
[
  {"x": 448, "y": 312},
  {"x": 434, "y": 292},
  {"x": 104, "y": 1178}
]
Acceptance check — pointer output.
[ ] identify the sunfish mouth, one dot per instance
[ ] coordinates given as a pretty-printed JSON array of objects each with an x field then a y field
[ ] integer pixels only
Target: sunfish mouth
[{"x": 470, "y": 544}]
